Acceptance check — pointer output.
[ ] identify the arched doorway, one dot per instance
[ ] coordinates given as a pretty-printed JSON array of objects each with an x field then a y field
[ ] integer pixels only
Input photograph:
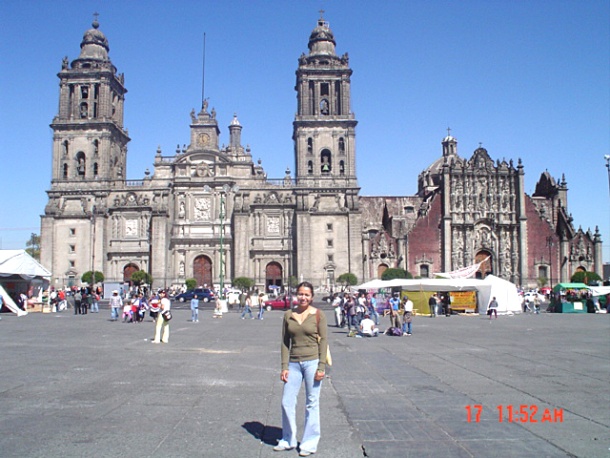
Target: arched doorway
[
  {"x": 381, "y": 268},
  {"x": 128, "y": 270},
  {"x": 202, "y": 270},
  {"x": 485, "y": 268},
  {"x": 273, "y": 276}
]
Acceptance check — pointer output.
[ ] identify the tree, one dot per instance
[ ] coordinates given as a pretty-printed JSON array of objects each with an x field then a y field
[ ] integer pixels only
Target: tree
[
  {"x": 293, "y": 281},
  {"x": 242, "y": 283},
  {"x": 140, "y": 277},
  {"x": 585, "y": 277},
  {"x": 33, "y": 246},
  {"x": 190, "y": 283},
  {"x": 92, "y": 278},
  {"x": 347, "y": 279},
  {"x": 395, "y": 272}
]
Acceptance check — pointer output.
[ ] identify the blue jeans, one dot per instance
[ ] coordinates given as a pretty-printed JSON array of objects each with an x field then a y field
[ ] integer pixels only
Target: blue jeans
[
  {"x": 114, "y": 313},
  {"x": 194, "y": 314},
  {"x": 406, "y": 327},
  {"x": 374, "y": 316},
  {"x": 299, "y": 372},
  {"x": 261, "y": 310},
  {"x": 247, "y": 309}
]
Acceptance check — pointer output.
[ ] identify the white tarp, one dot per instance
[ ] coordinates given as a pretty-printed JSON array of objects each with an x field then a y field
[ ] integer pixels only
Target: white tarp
[
  {"x": 599, "y": 290},
  {"x": 505, "y": 292},
  {"x": 19, "y": 262},
  {"x": 9, "y": 303}
]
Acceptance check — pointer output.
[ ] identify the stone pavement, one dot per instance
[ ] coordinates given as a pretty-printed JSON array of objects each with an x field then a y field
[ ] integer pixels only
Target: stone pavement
[{"x": 80, "y": 386}]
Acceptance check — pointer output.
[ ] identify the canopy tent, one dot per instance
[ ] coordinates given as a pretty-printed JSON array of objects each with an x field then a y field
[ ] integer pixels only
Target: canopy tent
[
  {"x": 504, "y": 291},
  {"x": 19, "y": 262},
  {"x": 17, "y": 267},
  {"x": 9, "y": 303}
]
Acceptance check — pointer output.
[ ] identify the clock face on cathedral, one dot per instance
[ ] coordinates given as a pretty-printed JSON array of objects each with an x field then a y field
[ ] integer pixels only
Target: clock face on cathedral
[{"x": 203, "y": 139}]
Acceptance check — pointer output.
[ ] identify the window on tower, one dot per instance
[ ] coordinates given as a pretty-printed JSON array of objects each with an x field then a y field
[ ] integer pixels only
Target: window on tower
[
  {"x": 324, "y": 107},
  {"x": 95, "y": 169},
  {"x": 80, "y": 164},
  {"x": 309, "y": 168},
  {"x": 341, "y": 146},
  {"x": 84, "y": 110},
  {"x": 84, "y": 92},
  {"x": 324, "y": 91},
  {"x": 341, "y": 168},
  {"x": 309, "y": 145},
  {"x": 325, "y": 161},
  {"x": 65, "y": 172}
]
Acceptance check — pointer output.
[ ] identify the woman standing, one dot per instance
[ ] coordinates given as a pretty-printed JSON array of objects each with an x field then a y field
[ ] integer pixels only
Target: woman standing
[
  {"x": 162, "y": 323},
  {"x": 304, "y": 348}
]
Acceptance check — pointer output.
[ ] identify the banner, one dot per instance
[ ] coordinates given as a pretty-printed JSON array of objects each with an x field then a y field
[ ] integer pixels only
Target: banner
[{"x": 464, "y": 272}]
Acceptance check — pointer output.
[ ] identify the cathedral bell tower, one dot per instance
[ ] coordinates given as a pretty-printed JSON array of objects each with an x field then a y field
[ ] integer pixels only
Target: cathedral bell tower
[
  {"x": 89, "y": 141},
  {"x": 324, "y": 127},
  {"x": 328, "y": 219}
]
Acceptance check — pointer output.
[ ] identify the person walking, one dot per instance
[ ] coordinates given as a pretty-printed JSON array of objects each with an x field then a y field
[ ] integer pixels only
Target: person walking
[
  {"x": 162, "y": 325},
  {"x": 337, "y": 308},
  {"x": 247, "y": 307},
  {"x": 115, "y": 303},
  {"x": 492, "y": 309},
  {"x": 373, "y": 309},
  {"x": 78, "y": 299},
  {"x": 195, "y": 309},
  {"x": 303, "y": 354},
  {"x": 407, "y": 316},
  {"x": 433, "y": 304},
  {"x": 261, "y": 306}
]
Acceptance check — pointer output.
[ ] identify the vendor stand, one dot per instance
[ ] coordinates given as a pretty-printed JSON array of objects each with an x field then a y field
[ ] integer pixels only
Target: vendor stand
[{"x": 569, "y": 298}]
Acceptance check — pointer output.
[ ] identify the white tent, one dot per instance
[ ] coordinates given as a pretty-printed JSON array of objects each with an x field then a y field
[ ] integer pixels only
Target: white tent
[
  {"x": 9, "y": 303},
  {"x": 18, "y": 263},
  {"x": 505, "y": 292}
]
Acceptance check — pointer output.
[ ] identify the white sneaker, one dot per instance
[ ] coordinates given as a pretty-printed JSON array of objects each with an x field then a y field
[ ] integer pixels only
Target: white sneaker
[{"x": 281, "y": 448}]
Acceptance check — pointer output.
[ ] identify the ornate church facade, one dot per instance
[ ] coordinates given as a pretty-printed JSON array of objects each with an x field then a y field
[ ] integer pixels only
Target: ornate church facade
[{"x": 210, "y": 213}]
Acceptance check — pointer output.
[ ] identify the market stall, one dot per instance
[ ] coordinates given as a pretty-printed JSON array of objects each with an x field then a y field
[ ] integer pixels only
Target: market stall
[{"x": 569, "y": 298}]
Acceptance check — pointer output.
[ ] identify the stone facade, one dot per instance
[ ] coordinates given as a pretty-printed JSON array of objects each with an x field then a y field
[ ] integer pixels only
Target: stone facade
[{"x": 210, "y": 213}]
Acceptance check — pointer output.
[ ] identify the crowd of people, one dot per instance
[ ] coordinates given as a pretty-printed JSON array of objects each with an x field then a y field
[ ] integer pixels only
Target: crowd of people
[
  {"x": 81, "y": 300},
  {"x": 359, "y": 312}
]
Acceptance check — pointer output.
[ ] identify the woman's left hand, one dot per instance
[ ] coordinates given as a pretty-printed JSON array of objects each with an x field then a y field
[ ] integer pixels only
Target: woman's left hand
[{"x": 319, "y": 376}]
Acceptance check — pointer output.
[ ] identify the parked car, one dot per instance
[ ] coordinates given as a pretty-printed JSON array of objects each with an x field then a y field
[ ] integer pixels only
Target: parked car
[
  {"x": 279, "y": 303},
  {"x": 203, "y": 294}
]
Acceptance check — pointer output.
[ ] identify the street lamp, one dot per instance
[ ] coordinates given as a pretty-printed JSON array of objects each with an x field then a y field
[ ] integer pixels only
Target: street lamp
[
  {"x": 607, "y": 158},
  {"x": 225, "y": 190},
  {"x": 550, "y": 243}
]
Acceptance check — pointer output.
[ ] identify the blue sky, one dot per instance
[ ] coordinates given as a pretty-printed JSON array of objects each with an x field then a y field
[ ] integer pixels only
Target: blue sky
[{"x": 527, "y": 79}]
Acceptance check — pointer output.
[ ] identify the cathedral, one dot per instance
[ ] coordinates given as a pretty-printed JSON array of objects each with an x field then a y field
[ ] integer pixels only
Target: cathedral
[{"x": 211, "y": 213}]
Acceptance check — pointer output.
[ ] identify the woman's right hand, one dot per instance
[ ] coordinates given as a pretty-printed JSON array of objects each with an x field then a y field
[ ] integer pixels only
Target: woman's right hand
[{"x": 284, "y": 376}]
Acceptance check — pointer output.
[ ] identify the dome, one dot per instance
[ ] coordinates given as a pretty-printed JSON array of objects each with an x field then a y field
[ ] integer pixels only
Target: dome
[
  {"x": 322, "y": 40},
  {"x": 94, "y": 45},
  {"x": 235, "y": 121}
]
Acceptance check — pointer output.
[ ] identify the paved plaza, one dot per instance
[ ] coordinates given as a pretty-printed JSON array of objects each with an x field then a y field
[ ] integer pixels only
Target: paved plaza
[{"x": 83, "y": 386}]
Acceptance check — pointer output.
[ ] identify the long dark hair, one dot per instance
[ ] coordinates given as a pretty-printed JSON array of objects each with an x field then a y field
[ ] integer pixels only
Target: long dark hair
[{"x": 306, "y": 284}]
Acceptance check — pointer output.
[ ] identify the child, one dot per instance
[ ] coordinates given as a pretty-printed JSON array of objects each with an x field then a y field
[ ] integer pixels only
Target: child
[{"x": 127, "y": 314}]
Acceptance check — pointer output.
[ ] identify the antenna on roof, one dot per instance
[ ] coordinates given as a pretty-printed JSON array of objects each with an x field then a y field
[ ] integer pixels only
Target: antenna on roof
[{"x": 203, "y": 75}]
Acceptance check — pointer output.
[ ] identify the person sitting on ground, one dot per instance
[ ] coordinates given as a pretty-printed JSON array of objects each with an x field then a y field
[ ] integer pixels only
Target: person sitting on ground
[{"x": 367, "y": 327}]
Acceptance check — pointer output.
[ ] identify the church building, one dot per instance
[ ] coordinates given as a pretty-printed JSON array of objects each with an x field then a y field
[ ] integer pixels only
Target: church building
[{"x": 211, "y": 213}]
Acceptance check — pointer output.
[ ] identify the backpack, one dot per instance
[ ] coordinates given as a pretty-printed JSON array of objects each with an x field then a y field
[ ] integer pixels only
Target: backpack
[{"x": 394, "y": 332}]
